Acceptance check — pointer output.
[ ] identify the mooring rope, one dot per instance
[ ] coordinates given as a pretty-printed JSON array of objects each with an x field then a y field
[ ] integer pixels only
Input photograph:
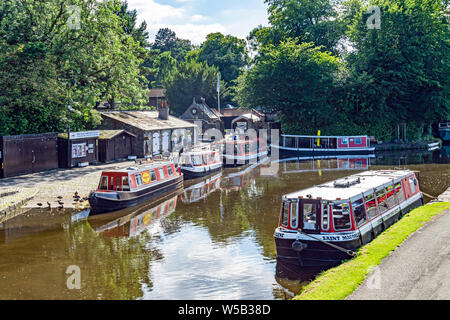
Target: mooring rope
[{"x": 349, "y": 252}]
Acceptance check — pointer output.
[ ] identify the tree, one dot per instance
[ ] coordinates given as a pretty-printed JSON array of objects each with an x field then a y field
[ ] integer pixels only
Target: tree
[
  {"x": 163, "y": 67},
  {"x": 228, "y": 53},
  {"x": 52, "y": 54},
  {"x": 308, "y": 20},
  {"x": 400, "y": 71},
  {"x": 294, "y": 79},
  {"x": 167, "y": 40},
  {"x": 192, "y": 79}
]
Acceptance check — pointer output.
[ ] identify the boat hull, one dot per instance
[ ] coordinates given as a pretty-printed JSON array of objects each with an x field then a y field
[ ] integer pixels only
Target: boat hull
[
  {"x": 190, "y": 173},
  {"x": 318, "y": 254},
  {"x": 102, "y": 205},
  {"x": 239, "y": 161},
  {"x": 286, "y": 152}
]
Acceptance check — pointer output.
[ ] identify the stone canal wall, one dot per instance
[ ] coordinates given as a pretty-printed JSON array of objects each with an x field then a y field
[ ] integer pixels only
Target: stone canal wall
[{"x": 410, "y": 260}]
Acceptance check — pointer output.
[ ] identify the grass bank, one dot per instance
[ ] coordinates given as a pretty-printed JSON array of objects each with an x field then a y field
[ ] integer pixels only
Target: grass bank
[{"x": 340, "y": 282}]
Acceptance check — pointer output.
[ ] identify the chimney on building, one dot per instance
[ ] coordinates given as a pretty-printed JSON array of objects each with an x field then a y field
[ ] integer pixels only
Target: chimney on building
[{"x": 163, "y": 111}]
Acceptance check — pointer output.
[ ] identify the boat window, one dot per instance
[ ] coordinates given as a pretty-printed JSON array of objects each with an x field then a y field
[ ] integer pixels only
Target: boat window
[
  {"x": 382, "y": 203},
  {"x": 125, "y": 184},
  {"x": 371, "y": 206},
  {"x": 358, "y": 141},
  {"x": 359, "y": 212},
  {"x": 237, "y": 149},
  {"x": 344, "y": 140},
  {"x": 391, "y": 198},
  {"x": 104, "y": 183},
  {"x": 309, "y": 216},
  {"x": 294, "y": 215},
  {"x": 341, "y": 216},
  {"x": 197, "y": 160},
  {"x": 211, "y": 157},
  {"x": 118, "y": 184},
  {"x": 399, "y": 192},
  {"x": 170, "y": 170},
  {"x": 325, "y": 217},
  {"x": 412, "y": 185},
  {"x": 139, "y": 181},
  {"x": 285, "y": 214},
  {"x": 161, "y": 173},
  {"x": 153, "y": 175}
]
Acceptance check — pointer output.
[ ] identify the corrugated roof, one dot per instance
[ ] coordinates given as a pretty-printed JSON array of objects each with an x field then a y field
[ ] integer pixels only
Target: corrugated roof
[
  {"x": 109, "y": 134},
  {"x": 147, "y": 120}
]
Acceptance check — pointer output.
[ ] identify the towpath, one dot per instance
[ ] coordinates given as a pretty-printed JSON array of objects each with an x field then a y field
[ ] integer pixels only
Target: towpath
[{"x": 418, "y": 270}]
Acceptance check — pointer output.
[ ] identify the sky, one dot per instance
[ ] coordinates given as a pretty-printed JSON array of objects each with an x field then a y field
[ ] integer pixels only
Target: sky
[{"x": 195, "y": 19}]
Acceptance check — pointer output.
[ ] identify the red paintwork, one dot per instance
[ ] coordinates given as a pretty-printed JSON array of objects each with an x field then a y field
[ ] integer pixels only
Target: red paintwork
[{"x": 352, "y": 142}]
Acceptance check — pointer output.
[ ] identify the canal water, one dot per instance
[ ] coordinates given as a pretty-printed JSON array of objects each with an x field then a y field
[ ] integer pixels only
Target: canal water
[{"x": 212, "y": 240}]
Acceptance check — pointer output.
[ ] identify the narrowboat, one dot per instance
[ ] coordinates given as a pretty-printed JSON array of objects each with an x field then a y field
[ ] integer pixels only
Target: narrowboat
[
  {"x": 198, "y": 164},
  {"x": 324, "y": 225},
  {"x": 240, "y": 152},
  {"x": 444, "y": 130},
  {"x": 324, "y": 145},
  {"x": 122, "y": 189}
]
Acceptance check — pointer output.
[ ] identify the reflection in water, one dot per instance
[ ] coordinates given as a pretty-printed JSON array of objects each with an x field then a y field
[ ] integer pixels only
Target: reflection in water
[{"x": 214, "y": 240}]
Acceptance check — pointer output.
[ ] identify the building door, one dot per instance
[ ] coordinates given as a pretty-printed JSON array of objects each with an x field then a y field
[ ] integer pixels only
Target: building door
[
  {"x": 165, "y": 142},
  {"x": 156, "y": 144}
]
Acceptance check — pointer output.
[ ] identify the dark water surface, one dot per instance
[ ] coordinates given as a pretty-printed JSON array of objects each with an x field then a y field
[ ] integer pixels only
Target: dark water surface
[{"x": 213, "y": 240}]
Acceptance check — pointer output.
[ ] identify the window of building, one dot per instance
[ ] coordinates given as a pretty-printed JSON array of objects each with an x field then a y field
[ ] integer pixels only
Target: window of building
[
  {"x": 382, "y": 203},
  {"x": 341, "y": 216},
  {"x": 399, "y": 192},
  {"x": 371, "y": 206},
  {"x": 359, "y": 212}
]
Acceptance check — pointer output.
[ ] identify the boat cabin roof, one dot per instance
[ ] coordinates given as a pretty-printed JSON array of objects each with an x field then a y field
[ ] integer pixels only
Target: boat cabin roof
[
  {"x": 134, "y": 170},
  {"x": 358, "y": 184}
]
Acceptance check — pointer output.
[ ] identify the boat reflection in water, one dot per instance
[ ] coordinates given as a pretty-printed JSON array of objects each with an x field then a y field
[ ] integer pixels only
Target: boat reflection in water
[
  {"x": 325, "y": 163},
  {"x": 241, "y": 179},
  {"x": 202, "y": 190},
  {"x": 133, "y": 222},
  {"x": 294, "y": 278}
]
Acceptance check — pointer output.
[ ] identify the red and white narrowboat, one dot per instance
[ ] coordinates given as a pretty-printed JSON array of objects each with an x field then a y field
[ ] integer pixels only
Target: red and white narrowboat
[
  {"x": 324, "y": 225},
  {"x": 242, "y": 152},
  {"x": 197, "y": 164},
  {"x": 324, "y": 145},
  {"x": 127, "y": 188},
  {"x": 202, "y": 190}
]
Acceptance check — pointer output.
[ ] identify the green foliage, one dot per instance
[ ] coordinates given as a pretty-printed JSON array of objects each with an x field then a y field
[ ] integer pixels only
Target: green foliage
[
  {"x": 228, "y": 53},
  {"x": 295, "y": 80},
  {"x": 191, "y": 79},
  {"x": 167, "y": 40},
  {"x": 49, "y": 59}
]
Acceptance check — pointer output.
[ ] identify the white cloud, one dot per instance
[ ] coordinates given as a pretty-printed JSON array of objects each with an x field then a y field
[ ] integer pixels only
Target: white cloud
[{"x": 189, "y": 24}]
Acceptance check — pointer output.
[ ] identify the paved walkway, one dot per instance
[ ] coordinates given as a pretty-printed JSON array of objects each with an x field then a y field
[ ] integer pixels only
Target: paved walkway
[
  {"x": 418, "y": 270},
  {"x": 56, "y": 183}
]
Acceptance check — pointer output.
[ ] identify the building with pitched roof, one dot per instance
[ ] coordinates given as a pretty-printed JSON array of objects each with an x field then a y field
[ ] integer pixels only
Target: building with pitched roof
[{"x": 200, "y": 112}]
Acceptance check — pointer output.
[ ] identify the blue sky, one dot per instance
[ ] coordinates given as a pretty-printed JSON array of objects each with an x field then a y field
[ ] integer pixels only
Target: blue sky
[{"x": 194, "y": 19}]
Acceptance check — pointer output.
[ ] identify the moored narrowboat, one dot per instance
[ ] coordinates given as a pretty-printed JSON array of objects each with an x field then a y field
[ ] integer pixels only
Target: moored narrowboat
[
  {"x": 444, "y": 130},
  {"x": 198, "y": 164},
  {"x": 241, "y": 152},
  {"x": 291, "y": 145},
  {"x": 122, "y": 189},
  {"x": 324, "y": 225}
]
